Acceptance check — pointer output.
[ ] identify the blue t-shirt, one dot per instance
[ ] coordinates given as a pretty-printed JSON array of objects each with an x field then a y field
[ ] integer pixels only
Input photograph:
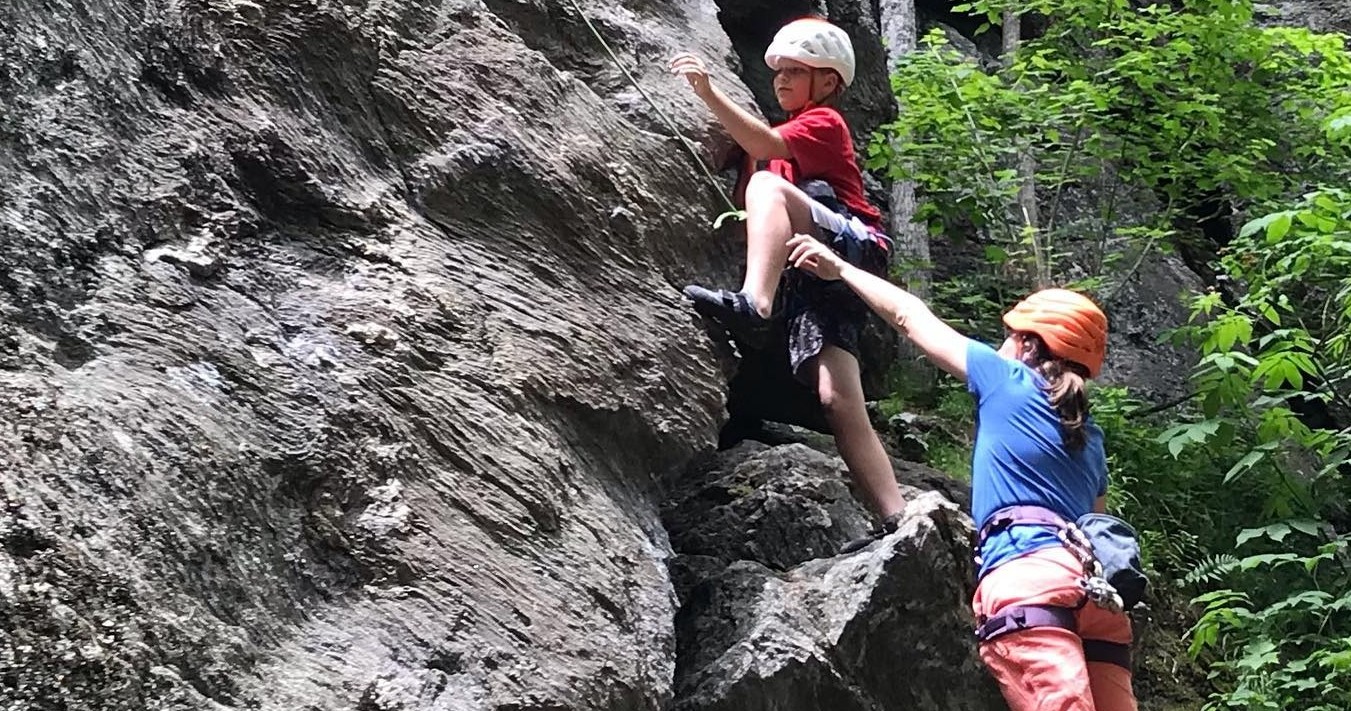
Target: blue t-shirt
[{"x": 1020, "y": 457}]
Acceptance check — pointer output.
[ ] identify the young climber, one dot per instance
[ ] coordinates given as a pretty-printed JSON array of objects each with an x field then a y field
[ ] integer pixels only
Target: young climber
[
  {"x": 813, "y": 62},
  {"x": 1038, "y": 461}
]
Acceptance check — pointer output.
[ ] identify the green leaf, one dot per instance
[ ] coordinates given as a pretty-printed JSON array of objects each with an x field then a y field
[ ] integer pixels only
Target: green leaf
[
  {"x": 1248, "y": 534},
  {"x": 1341, "y": 661},
  {"x": 1269, "y": 312},
  {"x": 1244, "y": 464},
  {"x": 1279, "y": 227},
  {"x": 1293, "y": 375},
  {"x": 1210, "y": 405},
  {"x": 1266, "y": 559},
  {"x": 1176, "y": 445},
  {"x": 1254, "y": 226},
  {"x": 738, "y": 215},
  {"x": 1260, "y": 653},
  {"x": 1308, "y": 528},
  {"x": 1276, "y": 375},
  {"x": 1339, "y": 125}
]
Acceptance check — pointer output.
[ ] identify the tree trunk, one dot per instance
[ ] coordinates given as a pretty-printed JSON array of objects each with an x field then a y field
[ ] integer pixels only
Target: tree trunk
[
  {"x": 1026, "y": 211},
  {"x": 896, "y": 19},
  {"x": 1013, "y": 31},
  {"x": 897, "y": 22}
]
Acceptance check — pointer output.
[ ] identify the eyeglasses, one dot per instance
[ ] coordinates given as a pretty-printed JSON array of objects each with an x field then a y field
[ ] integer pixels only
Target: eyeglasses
[{"x": 795, "y": 72}]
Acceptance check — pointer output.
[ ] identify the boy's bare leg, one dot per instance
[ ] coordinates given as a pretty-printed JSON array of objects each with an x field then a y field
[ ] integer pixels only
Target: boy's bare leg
[
  {"x": 775, "y": 211},
  {"x": 841, "y": 392}
]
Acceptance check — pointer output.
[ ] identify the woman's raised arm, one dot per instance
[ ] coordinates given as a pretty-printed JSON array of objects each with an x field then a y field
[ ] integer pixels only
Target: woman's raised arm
[{"x": 902, "y": 310}]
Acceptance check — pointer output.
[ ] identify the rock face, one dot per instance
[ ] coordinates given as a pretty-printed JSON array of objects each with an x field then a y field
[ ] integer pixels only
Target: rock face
[
  {"x": 342, "y": 360},
  {"x": 342, "y": 351},
  {"x": 772, "y": 621},
  {"x": 343, "y": 367},
  {"x": 1320, "y": 15}
]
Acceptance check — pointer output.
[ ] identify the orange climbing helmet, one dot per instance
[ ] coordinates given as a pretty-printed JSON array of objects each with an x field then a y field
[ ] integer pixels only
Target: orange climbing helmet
[{"x": 1073, "y": 327}]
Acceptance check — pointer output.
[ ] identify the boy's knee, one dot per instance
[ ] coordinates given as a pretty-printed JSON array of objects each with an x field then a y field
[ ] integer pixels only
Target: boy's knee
[
  {"x": 837, "y": 403},
  {"x": 763, "y": 183}
]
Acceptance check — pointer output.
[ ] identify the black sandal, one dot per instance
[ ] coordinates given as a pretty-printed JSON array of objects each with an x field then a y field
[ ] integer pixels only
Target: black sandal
[
  {"x": 732, "y": 309},
  {"x": 888, "y": 527}
]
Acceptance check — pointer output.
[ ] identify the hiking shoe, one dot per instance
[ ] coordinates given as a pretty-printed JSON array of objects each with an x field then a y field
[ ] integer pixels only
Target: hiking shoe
[
  {"x": 889, "y": 526},
  {"x": 734, "y": 310}
]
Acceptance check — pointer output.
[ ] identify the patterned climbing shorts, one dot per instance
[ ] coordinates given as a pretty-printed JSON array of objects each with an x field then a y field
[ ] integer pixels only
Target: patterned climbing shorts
[{"x": 819, "y": 312}]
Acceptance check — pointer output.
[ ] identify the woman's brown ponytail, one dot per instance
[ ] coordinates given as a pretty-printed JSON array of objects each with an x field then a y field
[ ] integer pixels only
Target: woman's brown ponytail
[{"x": 1064, "y": 387}]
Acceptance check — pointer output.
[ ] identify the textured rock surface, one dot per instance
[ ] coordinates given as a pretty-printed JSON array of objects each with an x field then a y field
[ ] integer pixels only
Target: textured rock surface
[
  {"x": 342, "y": 354},
  {"x": 772, "y": 621},
  {"x": 321, "y": 324},
  {"x": 342, "y": 366},
  {"x": 1147, "y": 291},
  {"x": 1157, "y": 297},
  {"x": 1321, "y": 15}
]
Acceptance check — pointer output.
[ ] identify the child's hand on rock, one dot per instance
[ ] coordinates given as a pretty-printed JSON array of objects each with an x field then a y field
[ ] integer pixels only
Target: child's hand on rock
[{"x": 693, "y": 69}]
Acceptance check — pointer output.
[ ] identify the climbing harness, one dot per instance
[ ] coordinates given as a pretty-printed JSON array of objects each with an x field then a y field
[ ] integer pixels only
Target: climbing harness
[
  {"x": 689, "y": 148},
  {"x": 822, "y": 192},
  {"x": 1112, "y": 579}
]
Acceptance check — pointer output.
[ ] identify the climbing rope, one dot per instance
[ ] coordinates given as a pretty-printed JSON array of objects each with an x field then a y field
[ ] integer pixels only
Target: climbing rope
[{"x": 689, "y": 148}]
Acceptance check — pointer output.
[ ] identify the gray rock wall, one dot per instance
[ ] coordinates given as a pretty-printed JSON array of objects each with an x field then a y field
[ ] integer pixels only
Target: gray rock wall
[
  {"x": 342, "y": 354},
  {"x": 343, "y": 366},
  {"x": 342, "y": 349},
  {"x": 772, "y": 620},
  {"x": 1320, "y": 15}
]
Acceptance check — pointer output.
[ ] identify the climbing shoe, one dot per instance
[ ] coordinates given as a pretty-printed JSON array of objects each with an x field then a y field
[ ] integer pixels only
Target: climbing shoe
[
  {"x": 734, "y": 310},
  {"x": 889, "y": 526}
]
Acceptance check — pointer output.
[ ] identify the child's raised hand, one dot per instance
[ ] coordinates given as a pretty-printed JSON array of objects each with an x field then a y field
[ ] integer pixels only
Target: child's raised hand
[
  {"x": 810, "y": 255},
  {"x": 693, "y": 69}
]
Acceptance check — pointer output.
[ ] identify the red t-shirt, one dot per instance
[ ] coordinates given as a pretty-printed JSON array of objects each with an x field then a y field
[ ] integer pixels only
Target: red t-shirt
[{"x": 823, "y": 149}]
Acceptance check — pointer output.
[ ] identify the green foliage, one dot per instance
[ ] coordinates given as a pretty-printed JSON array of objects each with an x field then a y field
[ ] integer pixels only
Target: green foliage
[
  {"x": 1179, "y": 503},
  {"x": 1211, "y": 569},
  {"x": 946, "y": 447},
  {"x": 1281, "y": 642},
  {"x": 1281, "y": 347},
  {"x": 972, "y": 303},
  {"x": 951, "y": 453},
  {"x": 1196, "y": 106},
  {"x": 1190, "y": 101},
  {"x": 1274, "y": 355}
]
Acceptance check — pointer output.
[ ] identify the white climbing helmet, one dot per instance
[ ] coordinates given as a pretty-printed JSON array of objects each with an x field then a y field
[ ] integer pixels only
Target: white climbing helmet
[{"x": 816, "y": 43}]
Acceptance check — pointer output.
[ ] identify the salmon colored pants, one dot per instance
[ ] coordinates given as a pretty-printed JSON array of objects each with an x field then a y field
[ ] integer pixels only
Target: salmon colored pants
[{"x": 1043, "y": 668}]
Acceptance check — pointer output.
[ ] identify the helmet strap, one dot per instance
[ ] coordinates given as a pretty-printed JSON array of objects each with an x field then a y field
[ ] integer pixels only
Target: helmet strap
[
  {"x": 811, "y": 95},
  {"x": 812, "y": 100},
  {"x": 811, "y": 90}
]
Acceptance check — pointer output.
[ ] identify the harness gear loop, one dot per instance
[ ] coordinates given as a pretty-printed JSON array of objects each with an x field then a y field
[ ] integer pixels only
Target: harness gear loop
[
  {"x": 1096, "y": 588},
  {"x": 1026, "y": 617}
]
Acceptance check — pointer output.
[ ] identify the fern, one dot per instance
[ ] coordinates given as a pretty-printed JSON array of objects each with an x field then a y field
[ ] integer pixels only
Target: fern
[{"x": 1211, "y": 569}]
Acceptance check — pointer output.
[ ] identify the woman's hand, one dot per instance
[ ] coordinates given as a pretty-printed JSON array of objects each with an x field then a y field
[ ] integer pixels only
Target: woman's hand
[
  {"x": 810, "y": 255},
  {"x": 693, "y": 69}
]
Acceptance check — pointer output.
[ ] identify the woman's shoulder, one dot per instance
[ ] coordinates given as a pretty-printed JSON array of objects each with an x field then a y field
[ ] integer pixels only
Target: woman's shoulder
[{"x": 988, "y": 373}]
